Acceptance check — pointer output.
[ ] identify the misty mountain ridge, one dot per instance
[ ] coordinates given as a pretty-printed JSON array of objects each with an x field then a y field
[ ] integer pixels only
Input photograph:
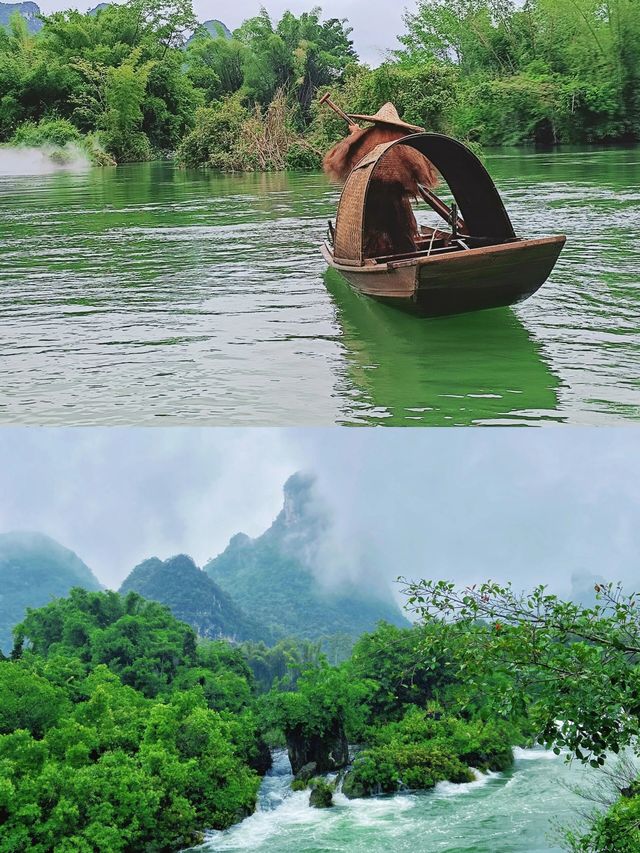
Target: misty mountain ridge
[
  {"x": 193, "y": 598},
  {"x": 215, "y": 29},
  {"x": 33, "y": 570},
  {"x": 30, "y": 11},
  {"x": 286, "y": 577}
]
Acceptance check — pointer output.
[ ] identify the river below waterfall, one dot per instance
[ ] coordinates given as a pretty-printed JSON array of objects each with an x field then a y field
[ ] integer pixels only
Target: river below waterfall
[{"x": 510, "y": 812}]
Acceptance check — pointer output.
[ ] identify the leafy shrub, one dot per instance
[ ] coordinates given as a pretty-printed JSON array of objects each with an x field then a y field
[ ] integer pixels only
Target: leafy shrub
[
  {"x": 387, "y": 769},
  {"x": 479, "y": 744},
  {"x": 615, "y": 831},
  {"x": 58, "y": 132},
  {"x": 124, "y": 93},
  {"x": 302, "y": 157},
  {"x": 62, "y": 140},
  {"x": 214, "y": 141},
  {"x": 424, "y": 748},
  {"x": 229, "y": 137}
]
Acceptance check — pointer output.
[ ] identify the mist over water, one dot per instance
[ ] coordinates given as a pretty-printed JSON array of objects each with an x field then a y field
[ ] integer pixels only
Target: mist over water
[{"x": 42, "y": 161}]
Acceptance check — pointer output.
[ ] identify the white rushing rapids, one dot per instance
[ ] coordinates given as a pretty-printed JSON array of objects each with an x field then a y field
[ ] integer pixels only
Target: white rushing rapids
[{"x": 493, "y": 813}]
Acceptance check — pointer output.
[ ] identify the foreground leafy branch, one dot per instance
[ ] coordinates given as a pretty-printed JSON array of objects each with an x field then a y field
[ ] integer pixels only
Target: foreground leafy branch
[{"x": 575, "y": 666}]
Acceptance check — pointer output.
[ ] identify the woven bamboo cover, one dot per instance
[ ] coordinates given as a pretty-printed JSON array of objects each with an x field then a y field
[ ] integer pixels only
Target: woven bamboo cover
[
  {"x": 350, "y": 221},
  {"x": 475, "y": 193}
]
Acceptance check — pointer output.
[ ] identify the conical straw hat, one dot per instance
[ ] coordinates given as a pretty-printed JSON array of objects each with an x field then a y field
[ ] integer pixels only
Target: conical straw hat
[{"x": 388, "y": 114}]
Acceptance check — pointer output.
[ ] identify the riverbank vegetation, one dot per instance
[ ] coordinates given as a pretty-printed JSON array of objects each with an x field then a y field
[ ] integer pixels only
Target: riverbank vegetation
[
  {"x": 143, "y": 79},
  {"x": 120, "y": 729},
  {"x": 118, "y": 732}
]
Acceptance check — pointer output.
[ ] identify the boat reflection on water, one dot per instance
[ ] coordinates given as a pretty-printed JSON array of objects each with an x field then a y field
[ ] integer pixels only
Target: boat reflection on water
[{"x": 470, "y": 369}]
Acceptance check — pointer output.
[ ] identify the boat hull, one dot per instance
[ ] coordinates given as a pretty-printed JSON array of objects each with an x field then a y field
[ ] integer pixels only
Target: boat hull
[{"x": 456, "y": 283}]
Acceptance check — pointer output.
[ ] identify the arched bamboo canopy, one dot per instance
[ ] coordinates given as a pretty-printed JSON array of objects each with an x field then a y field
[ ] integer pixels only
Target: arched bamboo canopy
[{"x": 475, "y": 193}]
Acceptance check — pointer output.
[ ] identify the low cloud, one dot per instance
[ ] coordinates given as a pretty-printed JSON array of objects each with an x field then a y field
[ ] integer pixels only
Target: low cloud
[{"x": 548, "y": 506}]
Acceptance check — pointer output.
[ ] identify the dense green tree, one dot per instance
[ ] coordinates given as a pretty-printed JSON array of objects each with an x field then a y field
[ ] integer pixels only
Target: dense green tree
[
  {"x": 215, "y": 64},
  {"x": 317, "y": 719},
  {"x": 139, "y": 640},
  {"x": 118, "y": 732},
  {"x": 321, "y": 51},
  {"x": 299, "y": 53},
  {"x": 223, "y": 674},
  {"x": 281, "y": 666},
  {"x": 124, "y": 92},
  {"x": 582, "y": 661},
  {"x": 323, "y": 694},
  {"x": 405, "y": 666},
  {"x": 28, "y": 701}
]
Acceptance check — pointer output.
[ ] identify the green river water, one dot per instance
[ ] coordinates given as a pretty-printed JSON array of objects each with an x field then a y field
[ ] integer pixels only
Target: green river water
[
  {"x": 146, "y": 294},
  {"x": 515, "y": 812}
]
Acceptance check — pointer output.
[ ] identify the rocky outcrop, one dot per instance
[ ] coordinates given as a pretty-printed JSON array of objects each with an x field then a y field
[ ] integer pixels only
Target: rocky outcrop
[
  {"x": 321, "y": 796},
  {"x": 286, "y": 578},
  {"x": 352, "y": 787},
  {"x": 262, "y": 760},
  {"x": 306, "y": 773},
  {"x": 328, "y": 752},
  {"x": 29, "y": 11}
]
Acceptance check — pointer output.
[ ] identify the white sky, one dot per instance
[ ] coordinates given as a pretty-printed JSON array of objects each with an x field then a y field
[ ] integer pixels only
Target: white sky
[
  {"x": 375, "y": 23},
  {"x": 471, "y": 504}
]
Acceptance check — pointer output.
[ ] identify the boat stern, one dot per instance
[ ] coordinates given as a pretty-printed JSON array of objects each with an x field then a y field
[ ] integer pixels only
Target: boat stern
[{"x": 489, "y": 277}]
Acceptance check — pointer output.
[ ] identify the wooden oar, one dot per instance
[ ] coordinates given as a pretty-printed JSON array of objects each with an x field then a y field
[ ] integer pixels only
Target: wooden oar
[
  {"x": 427, "y": 195},
  {"x": 326, "y": 99}
]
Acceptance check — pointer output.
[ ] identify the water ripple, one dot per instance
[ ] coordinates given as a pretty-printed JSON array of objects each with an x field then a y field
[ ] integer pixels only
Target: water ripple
[{"x": 149, "y": 295}]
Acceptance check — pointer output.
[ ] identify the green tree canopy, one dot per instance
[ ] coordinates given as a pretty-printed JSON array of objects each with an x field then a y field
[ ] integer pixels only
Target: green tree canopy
[{"x": 576, "y": 667}]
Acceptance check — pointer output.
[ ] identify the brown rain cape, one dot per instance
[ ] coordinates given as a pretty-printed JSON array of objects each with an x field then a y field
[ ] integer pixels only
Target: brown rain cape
[{"x": 391, "y": 224}]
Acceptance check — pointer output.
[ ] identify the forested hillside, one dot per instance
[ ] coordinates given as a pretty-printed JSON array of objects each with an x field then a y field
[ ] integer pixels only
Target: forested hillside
[
  {"x": 193, "y": 598},
  {"x": 143, "y": 79},
  {"x": 33, "y": 570},
  {"x": 120, "y": 731},
  {"x": 282, "y": 584}
]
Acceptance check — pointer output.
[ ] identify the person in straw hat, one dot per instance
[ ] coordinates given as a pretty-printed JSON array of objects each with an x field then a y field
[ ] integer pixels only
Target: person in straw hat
[{"x": 391, "y": 224}]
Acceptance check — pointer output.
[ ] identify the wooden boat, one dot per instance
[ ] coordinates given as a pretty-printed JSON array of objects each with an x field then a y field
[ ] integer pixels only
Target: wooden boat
[{"x": 479, "y": 264}]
